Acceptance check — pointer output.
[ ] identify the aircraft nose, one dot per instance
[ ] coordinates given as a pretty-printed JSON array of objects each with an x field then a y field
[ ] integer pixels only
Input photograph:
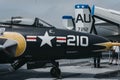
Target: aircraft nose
[
  {"x": 107, "y": 45},
  {"x": 101, "y": 44}
]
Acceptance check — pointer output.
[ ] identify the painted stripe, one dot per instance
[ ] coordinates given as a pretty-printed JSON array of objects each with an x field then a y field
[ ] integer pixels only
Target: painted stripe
[
  {"x": 31, "y": 38},
  {"x": 67, "y": 17},
  {"x": 81, "y": 6},
  {"x": 61, "y": 39}
]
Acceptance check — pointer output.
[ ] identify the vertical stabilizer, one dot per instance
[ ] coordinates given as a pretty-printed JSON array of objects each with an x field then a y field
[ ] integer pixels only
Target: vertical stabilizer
[
  {"x": 83, "y": 18},
  {"x": 68, "y": 22}
]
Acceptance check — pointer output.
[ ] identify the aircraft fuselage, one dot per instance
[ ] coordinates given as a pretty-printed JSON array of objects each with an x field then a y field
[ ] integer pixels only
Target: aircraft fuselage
[{"x": 51, "y": 43}]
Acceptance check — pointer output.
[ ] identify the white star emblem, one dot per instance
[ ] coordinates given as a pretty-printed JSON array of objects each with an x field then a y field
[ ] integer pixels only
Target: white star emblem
[
  {"x": 46, "y": 39},
  {"x": 82, "y": 6},
  {"x": 78, "y": 6}
]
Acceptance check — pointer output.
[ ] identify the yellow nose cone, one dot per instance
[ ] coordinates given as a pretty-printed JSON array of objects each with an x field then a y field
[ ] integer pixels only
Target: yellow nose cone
[{"x": 108, "y": 45}]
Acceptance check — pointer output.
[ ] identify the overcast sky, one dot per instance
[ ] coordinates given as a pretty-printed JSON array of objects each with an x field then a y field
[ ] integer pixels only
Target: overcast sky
[{"x": 49, "y": 10}]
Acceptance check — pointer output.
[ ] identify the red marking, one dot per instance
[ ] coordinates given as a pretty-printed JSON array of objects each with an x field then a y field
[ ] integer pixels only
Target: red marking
[
  {"x": 61, "y": 38},
  {"x": 31, "y": 38}
]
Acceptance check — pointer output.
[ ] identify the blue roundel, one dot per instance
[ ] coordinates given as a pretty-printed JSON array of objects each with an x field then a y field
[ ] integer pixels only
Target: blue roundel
[{"x": 83, "y": 6}]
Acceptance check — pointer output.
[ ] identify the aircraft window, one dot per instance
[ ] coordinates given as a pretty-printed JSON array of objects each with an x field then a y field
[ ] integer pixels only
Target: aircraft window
[
  {"x": 23, "y": 21},
  {"x": 16, "y": 21},
  {"x": 43, "y": 23},
  {"x": 19, "y": 21}
]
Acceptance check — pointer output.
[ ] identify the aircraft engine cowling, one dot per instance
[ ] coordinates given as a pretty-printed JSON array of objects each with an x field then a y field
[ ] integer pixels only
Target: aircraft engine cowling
[{"x": 12, "y": 43}]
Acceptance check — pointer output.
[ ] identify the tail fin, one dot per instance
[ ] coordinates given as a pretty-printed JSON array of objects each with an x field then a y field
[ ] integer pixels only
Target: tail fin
[
  {"x": 68, "y": 22},
  {"x": 83, "y": 18}
]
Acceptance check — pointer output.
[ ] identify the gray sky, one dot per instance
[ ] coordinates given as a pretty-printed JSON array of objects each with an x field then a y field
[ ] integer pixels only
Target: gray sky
[{"x": 49, "y": 10}]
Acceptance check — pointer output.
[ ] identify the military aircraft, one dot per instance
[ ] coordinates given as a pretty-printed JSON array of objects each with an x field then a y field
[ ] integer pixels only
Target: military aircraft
[{"x": 39, "y": 43}]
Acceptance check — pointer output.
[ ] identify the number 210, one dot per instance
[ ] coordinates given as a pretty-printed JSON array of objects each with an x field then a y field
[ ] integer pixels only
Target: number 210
[{"x": 77, "y": 40}]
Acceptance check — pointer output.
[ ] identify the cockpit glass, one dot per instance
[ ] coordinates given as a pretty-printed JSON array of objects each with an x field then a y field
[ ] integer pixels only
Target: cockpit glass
[{"x": 19, "y": 21}]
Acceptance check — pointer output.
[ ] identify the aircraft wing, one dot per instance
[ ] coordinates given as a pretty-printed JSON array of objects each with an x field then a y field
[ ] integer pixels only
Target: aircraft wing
[
  {"x": 108, "y": 30},
  {"x": 108, "y": 15}
]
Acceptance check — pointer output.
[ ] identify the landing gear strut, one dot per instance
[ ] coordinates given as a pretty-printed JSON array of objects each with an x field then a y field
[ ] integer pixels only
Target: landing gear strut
[
  {"x": 55, "y": 71},
  {"x": 17, "y": 64}
]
